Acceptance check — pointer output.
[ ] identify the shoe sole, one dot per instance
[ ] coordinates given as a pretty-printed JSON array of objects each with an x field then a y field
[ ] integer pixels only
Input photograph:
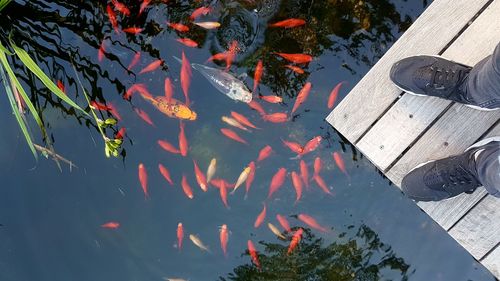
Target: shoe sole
[{"x": 468, "y": 105}]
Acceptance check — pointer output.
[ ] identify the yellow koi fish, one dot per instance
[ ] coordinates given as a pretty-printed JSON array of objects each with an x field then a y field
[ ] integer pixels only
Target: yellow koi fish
[
  {"x": 242, "y": 178},
  {"x": 172, "y": 108}
]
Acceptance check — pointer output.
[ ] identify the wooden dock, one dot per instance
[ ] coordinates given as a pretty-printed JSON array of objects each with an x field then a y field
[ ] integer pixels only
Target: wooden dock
[{"x": 396, "y": 131}]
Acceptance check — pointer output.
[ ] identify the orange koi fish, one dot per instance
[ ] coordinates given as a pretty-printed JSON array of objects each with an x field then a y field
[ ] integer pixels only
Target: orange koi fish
[
  {"x": 134, "y": 61},
  {"x": 288, "y": 23},
  {"x": 223, "y": 193},
  {"x": 302, "y": 96},
  {"x": 114, "y": 111},
  {"x": 231, "y": 54},
  {"x": 186, "y": 75},
  {"x": 120, "y": 7},
  {"x": 101, "y": 53},
  {"x": 250, "y": 177},
  {"x": 186, "y": 188},
  {"x": 260, "y": 217},
  {"x": 264, "y": 153},
  {"x": 333, "y": 95},
  {"x": 133, "y": 30},
  {"x": 218, "y": 56},
  {"x": 173, "y": 109},
  {"x": 293, "y": 146},
  {"x": 233, "y": 135},
  {"x": 297, "y": 236},
  {"x": 312, "y": 145},
  {"x": 296, "y": 58},
  {"x": 224, "y": 236},
  {"x": 152, "y": 66},
  {"x": 257, "y": 74},
  {"x": 112, "y": 18},
  {"x": 283, "y": 222},
  {"x": 304, "y": 173},
  {"x": 208, "y": 24},
  {"x": 61, "y": 87},
  {"x": 200, "y": 177},
  {"x": 339, "y": 161},
  {"x": 233, "y": 122},
  {"x": 200, "y": 11},
  {"x": 277, "y": 181},
  {"x": 242, "y": 119},
  {"x": 178, "y": 26},
  {"x": 144, "y": 116},
  {"x": 187, "y": 42},
  {"x": 140, "y": 88},
  {"x": 253, "y": 254},
  {"x": 271, "y": 99},
  {"x": 165, "y": 173},
  {"x": 295, "y": 69},
  {"x": 168, "y": 147},
  {"x": 310, "y": 221},
  {"x": 180, "y": 235},
  {"x": 297, "y": 184},
  {"x": 321, "y": 183},
  {"x": 317, "y": 166},
  {"x": 257, "y": 107},
  {"x": 111, "y": 225},
  {"x": 144, "y": 5},
  {"x": 120, "y": 134},
  {"x": 99, "y": 106},
  {"x": 278, "y": 117},
  {"x": 169, "y": 90},
  {"x": 143, "y": 179},
  {"x": 183, "y": 144}
]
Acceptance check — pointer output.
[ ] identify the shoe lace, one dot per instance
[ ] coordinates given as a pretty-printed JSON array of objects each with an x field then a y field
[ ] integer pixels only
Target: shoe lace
[
  {"x": 444, "y": 78},
  {"x": 459, "y": 176}
]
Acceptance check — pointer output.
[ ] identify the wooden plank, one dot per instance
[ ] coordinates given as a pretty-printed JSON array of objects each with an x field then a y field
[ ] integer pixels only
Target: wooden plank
[
  {"x": 479, "y": 231},
  {"x": 411, "y": 115},
  {"x": 492, "y": 262},
  {"x": 441, "y": 21}
]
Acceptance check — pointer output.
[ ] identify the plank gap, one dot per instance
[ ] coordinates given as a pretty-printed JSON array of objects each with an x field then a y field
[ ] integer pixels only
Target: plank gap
[
  {"x": 466, "y": 213},
  {"x": 489, "y": 252}
]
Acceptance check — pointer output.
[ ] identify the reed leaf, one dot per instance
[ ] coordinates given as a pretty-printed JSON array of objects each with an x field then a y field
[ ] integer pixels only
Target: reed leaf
[{"x": 4, "y": 3}]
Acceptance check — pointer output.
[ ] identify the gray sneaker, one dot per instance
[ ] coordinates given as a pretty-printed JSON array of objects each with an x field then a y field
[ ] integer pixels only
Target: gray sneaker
[{"x": 448, "y": 177}]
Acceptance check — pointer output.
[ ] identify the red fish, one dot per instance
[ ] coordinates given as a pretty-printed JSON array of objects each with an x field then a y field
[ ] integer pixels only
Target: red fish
[
  {"x": 143, "y": 179},
  {"x": 304, "y": 173},
  {"x": 264, "y": 153},
  {"x": 120, "y": 7},
  {"x": 186, "y": 188},
  {"x": 333, "y": 95},
  {"x": 310, "y": 221},
  {"x": 140, "y": 88},
  {"x": 302, "y": 96},
  {"x": 224, "y": 236},
  {"x": 231, "y": 53},
  {"x": 111, "y": 224},
  {"x": 168, "y": 147},
  {"x": 260, "y": 217},
  {"x": 183, "y": 144},
  {"x": 250, "y": 177},
  {"x": 144, "y": 5},
  {"x": 312, "y": 145},
  {"x": 99, "y": 106},
  {"x": 295, "y": 69},
  {"x": 339, "y": 161},
  {"x": 321, "y": 183},
  {"x": 297, "y": 236},
  {"x": 297, "y": 184},
  {"x": 277, "y": 181},
  {"x": 178, "y": 26},
  {"x": 187, "y": 42},
  {"x": 218, "y": 56},
  {"x": 296, "y": 58},
  {"x": 293, "y": 146},
  {"x": 317, "y": 166},
  {"x": 257, "y": 74},
  {"x": 101, "y": 53},
  {"x": 114, "y": 111},
  {"x": 233, "y": 135},
  {"x": 288, "y": 23},
  {"x": 112, "y": 18},
  {"x": 152, "y": 66},
  {"x": 278, "y": 117},
  {"x": 134, "y": 61},
  {"x": 133, "y": 30},
  {"x": 253, "y": 254},
  {"x": 144, "y": 116},
  {"x": 256, "y": 106},
  {"x": 180, "y": 235},
  {"x": 186, "y": 74},
  {"x": 242, "y": 119},
  {"x": 169, "y": 89},
  {"x": 223, "y": 193},
  {"x": 200, "y": 11},
  {"x": 120, "y": 134},
  {"x": 283, "y": 222},
  {"x": 200, "y": 177},
  {"x": 60, "y": 85},
  {"x": 165, "y": 173},
  {"x": 271, "y": 99}
]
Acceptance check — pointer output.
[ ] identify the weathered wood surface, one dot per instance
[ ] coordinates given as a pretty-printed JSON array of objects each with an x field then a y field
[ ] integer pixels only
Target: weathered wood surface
[
  {"x": 430, "y": 33},
  {"x": 491, "y": 262}
]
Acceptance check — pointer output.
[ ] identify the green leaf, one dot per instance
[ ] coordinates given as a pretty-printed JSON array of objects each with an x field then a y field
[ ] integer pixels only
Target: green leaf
[{"x": 4, "y": 3}]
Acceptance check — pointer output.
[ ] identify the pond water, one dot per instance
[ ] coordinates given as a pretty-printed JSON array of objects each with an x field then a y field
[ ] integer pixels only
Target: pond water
[{"x": 51, "y": 220}]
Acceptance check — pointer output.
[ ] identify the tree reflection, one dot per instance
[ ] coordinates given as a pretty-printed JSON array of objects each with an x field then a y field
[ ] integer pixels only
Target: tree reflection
[{"x": 363, "y": 257}]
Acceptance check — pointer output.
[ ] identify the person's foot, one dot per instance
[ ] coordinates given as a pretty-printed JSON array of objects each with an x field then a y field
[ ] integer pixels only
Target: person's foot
[
  {"x": 433, "y": 76},
  {"x": 448, "y": 177}
]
